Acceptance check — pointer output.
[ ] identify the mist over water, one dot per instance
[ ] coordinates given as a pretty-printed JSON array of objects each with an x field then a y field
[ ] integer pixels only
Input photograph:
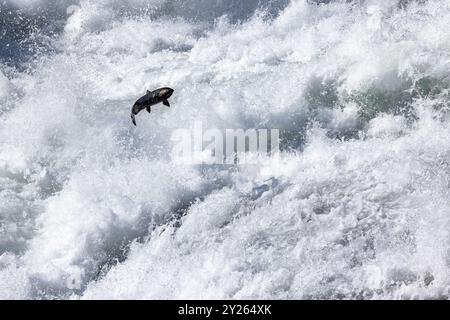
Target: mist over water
[{"x": 355, "y": 206}]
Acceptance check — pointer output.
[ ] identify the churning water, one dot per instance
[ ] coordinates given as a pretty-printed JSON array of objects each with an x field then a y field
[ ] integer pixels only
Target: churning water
[{"x": 356, "y": 206}]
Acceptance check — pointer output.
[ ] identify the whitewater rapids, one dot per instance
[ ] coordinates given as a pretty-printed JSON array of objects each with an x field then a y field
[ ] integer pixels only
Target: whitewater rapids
[{"x": 357, "y": 206}]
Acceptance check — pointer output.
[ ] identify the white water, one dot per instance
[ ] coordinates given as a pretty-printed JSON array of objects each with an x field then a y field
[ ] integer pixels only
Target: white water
[{"x": 357, "y": 206}]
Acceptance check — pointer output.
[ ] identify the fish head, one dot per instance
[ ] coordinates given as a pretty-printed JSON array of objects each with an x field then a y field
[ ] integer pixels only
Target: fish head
[{"x": 165, "y": 93}]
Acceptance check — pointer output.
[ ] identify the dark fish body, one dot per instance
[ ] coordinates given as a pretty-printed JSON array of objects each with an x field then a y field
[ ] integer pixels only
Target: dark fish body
[{"x": 160, "y": 95}]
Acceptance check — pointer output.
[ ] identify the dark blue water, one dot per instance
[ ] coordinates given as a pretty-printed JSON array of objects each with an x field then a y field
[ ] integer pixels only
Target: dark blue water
[{"x": 26, "y": 34}]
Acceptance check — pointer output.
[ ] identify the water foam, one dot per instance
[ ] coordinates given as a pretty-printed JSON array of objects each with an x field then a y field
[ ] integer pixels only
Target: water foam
[{"x": 354, "y": 208}]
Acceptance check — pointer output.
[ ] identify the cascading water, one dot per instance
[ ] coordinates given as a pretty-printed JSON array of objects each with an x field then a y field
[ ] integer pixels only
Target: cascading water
[{"x": 359, "y": 200}]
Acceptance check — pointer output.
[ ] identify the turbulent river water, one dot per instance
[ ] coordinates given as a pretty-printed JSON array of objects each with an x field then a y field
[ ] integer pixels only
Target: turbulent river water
[{"x": 356, "y": 205}]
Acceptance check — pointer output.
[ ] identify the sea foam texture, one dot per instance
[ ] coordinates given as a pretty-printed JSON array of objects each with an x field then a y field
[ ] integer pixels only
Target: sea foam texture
[{"x": 356, "y": 206}]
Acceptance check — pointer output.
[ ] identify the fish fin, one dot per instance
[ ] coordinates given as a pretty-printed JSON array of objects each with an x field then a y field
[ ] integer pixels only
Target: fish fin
[
  {"x": 149, "y": 110},
  {"x": 133, "y": 119},
  {"x": 166, "y": 103}
]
